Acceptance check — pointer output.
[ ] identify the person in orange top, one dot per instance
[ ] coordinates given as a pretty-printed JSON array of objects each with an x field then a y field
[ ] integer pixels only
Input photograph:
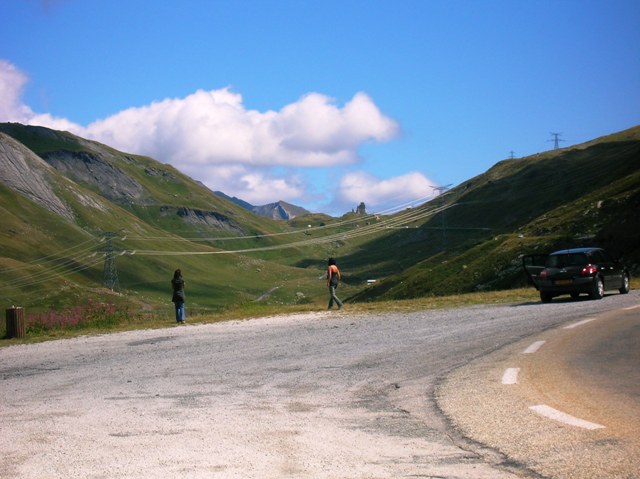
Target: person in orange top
[{"x": 333, "y": 278}]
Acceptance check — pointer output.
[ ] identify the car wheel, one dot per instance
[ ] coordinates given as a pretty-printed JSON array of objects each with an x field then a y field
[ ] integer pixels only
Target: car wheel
[
  {"x": 625, "y": 284},
  {"x": 545, "y": 297},
  {"x": 598, "y": 289}
]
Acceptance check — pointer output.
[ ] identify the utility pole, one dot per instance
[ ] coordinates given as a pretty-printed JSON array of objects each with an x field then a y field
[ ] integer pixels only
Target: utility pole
[
  {"x": 440, "y": 190},
  {"x": 556, "y": 140},
  {"x": 110, "y": 273}
]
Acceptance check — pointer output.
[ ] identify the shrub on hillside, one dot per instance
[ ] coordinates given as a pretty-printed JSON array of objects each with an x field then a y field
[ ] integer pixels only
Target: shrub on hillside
[{"x": 91, "y": 314}]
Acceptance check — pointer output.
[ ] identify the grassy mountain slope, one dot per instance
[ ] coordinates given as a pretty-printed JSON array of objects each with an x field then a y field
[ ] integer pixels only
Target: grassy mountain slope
[
  {"x": 584, "y": 195},
  {"x": 48, "y": 260},
  {"x": 151, "y": 190},
  {"x": 468, "y": 239}
]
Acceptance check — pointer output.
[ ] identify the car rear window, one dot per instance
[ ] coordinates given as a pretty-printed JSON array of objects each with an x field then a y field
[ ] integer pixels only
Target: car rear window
[{"x": 564, "y": 260}]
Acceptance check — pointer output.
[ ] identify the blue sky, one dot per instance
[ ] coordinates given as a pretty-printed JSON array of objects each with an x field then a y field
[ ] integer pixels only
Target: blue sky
[{"x": 324, "y": 103}]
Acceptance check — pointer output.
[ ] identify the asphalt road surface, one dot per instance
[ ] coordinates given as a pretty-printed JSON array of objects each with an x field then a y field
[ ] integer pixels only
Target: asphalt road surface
[{"x": 324, "y": 395}]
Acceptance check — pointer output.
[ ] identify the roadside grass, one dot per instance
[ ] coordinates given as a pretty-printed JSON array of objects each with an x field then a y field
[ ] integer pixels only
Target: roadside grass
[{"x": 104, "y": 319}]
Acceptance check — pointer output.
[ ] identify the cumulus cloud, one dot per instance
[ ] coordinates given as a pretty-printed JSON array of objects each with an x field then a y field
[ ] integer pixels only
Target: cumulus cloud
[
  {"x": 214, "y": 127},
  {"x": 379, "y": 194},
  {"x": 12, "y": 83},
  {"x": 257, "y": 187},
  {"x": 315, "y": 125},
  {"x": 214, "y": 138}
]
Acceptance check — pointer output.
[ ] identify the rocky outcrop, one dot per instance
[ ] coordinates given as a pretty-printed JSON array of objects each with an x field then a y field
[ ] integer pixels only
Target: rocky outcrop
[
  {"x": 24, "y": 172},
  {"x": 95, "y": 171},
  {"x": 201, "y": 217}
]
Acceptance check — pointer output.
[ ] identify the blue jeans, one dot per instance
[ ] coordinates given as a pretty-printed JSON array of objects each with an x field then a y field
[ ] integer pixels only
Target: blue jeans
[
  {"x": 180, "y": 312},
  {"x": 333, "y": 297}
]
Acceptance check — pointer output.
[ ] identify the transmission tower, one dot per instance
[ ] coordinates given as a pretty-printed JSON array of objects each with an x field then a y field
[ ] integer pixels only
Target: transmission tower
[
  {"x": 556, "y": 140},
  {"x": 441, "y": 189},
  {"x": 110, "y": 273}
]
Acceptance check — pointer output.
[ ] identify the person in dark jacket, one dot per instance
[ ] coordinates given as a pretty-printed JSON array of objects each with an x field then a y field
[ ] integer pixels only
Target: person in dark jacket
[
  {"x": 177, "y": 285},
  {"x": 333, "y": 278}
]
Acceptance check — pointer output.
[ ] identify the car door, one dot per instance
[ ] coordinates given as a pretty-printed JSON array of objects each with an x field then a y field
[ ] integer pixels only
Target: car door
[
  {"x": 610, "y": 268},
  {"x": 533, "y": 264}
]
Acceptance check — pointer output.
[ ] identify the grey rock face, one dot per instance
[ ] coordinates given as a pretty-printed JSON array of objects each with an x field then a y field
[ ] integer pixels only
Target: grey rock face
[{"x": 26, "y": 173}]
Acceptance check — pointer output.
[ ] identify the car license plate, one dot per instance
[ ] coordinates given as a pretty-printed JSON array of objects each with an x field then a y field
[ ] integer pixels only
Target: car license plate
[{"x": 564, "y": 281}]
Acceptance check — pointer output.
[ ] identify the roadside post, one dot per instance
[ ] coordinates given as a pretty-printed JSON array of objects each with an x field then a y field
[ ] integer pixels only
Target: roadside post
[{"x": 15, "y": 322}]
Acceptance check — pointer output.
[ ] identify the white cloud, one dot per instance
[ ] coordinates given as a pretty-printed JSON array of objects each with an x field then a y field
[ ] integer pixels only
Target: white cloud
[
  {"x": 12, "y": 83},
  {"x": 214, "y": 138},
  {"x": 315, "y": 125},
  {"x": 258, "y": 188},
  {"x": 380, "y": 194},
  {"x": 256, "y": 185},
  {"x": 214, "y": 127}
]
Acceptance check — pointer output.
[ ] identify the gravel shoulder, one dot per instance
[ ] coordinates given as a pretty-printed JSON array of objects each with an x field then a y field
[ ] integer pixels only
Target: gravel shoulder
[{"x": 309, "y": 396}]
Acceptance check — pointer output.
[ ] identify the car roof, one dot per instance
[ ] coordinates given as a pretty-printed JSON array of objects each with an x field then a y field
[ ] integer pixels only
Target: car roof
[{"x": 576, "y": 250}]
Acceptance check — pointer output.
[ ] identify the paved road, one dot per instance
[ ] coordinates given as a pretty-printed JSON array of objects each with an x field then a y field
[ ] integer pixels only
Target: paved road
[
  {"x": 565, "y": 402},
  {"x": 310, "y": 396}
]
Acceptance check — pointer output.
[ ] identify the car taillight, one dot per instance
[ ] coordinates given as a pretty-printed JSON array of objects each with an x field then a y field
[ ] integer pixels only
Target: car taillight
[
  {"x": 589, "y": 270},
  {"x": 543, "y": 274}
]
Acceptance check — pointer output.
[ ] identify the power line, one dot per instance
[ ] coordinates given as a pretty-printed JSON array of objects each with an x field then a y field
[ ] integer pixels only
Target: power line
[
  {"x": 81, "y": 248},
  {"x": 55, "y": 266},
  {"x": 50, "y": 274},
  {"x": 441, "y": 190},
  {"x": 405, "y": 218},
  {"x": 339, "y": 224}
]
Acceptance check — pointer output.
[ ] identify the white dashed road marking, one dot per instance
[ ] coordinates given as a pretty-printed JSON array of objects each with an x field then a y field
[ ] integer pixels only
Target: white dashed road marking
[
  {"x": 632, "y": 307},
  {"x": 510, "y": 376},
  {"x": 560, "y": 416},
  {"x": 534, "y": 347},
  {"x": 579, "y": 323}
]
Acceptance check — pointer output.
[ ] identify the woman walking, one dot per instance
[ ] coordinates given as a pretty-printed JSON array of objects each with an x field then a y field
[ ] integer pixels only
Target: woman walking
[
  {"x": 333, "y": 278},
  {"x": 177, "y": 285}
]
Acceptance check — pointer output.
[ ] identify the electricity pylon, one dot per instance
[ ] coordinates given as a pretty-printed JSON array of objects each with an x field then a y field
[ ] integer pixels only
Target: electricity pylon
[
  {"x": 556, "y": 140},
  {"x": 110, "y": 273},
  {"x": 441, "y": 189}
]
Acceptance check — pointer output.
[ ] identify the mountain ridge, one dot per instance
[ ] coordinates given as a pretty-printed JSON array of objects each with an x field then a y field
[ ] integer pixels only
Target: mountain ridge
[
  {"x": 59, "y": 194},
  {"x": 280, "y": 210},
  {"x": 58, "y": 253}
]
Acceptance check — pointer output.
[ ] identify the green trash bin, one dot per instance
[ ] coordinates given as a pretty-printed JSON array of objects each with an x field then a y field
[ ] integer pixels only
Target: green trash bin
[{"x": 15, "y": 323}]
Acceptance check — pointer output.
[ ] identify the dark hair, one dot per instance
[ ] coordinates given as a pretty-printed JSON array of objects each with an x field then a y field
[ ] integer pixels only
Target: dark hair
[
  {"x": 177, "y": 274},
  {"x": 331, "y": 261}
]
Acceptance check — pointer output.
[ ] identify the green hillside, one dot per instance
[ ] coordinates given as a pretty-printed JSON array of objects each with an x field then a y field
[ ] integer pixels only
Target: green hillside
[
  {"x": 584, "y": 195},
  {"x": 71, "y": 195},
  {"x": 49, "y": 261}
]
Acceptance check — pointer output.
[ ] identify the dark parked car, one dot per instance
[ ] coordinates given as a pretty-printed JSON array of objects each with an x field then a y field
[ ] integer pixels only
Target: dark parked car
[{"x": 576, "y": 271}]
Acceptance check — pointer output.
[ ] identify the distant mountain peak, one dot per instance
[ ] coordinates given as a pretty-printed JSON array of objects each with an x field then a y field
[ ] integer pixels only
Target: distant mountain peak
[{"x": 280, "y": 210}]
